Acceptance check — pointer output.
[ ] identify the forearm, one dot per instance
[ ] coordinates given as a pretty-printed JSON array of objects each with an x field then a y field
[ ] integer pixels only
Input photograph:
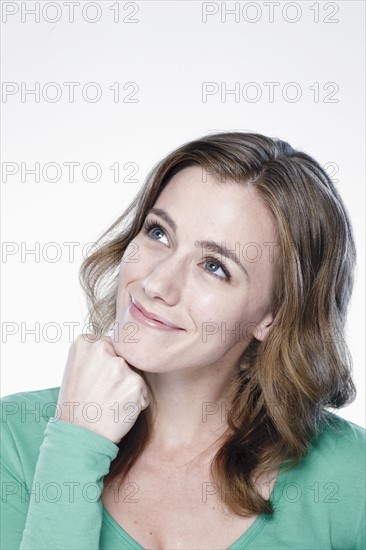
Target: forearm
[{"x": 65, "y": 510}]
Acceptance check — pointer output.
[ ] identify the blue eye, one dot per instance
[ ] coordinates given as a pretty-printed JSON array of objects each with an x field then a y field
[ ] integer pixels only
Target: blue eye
[
  {"x": 213, "y": 261},
  {"x": 155, "y": 229},
  {"x": 149, "y": 226}
]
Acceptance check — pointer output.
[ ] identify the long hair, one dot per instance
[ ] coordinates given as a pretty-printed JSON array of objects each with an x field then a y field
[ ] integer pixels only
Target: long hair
[{"x": 286, "y": 381}]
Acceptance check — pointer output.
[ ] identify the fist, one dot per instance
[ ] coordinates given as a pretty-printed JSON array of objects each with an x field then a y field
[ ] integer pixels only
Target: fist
[{"x": 99, "y": 391}]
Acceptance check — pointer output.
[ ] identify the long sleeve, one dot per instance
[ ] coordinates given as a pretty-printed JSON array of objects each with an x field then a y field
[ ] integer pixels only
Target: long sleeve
[
  {"x": 62, "y": 509},
  {"x": 13, "y": 506},
  {"x": 359, "y": 540}
]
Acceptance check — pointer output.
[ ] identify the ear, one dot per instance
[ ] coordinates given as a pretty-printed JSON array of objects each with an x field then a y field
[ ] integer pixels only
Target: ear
[{"x": 262, "y": 329}]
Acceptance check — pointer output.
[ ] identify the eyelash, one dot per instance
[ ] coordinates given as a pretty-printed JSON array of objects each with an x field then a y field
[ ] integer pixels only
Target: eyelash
[{"x": 150, "y": 224}]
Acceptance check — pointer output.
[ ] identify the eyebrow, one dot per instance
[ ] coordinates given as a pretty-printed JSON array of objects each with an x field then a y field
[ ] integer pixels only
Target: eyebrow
[{"x": 211, "y": 245}]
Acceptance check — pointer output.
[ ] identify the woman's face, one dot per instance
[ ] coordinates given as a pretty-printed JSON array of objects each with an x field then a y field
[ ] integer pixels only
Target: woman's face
[{"x": 217, "y": 305}]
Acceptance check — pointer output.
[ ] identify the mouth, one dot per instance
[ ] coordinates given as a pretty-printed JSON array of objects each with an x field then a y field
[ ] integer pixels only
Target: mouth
[{"x": 150, "y": 319}]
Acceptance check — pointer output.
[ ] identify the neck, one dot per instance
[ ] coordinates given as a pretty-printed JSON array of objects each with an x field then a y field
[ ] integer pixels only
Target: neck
[{"x": 190, "y": 410}]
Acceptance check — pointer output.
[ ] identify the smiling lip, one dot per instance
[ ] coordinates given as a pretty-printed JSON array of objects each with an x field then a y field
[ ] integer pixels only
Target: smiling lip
[{"x": 150, "y": 319}]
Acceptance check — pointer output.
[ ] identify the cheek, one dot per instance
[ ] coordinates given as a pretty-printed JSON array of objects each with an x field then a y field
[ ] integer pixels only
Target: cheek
[
  {"x": 216, "y": 314},
  {"x": 126, "y": 276},
  {"x": 207, "y": 304},
  {"x": 227, "y": 322},
  {"x": 131, "y": 265},
  {"x": 131, "y": 254}
]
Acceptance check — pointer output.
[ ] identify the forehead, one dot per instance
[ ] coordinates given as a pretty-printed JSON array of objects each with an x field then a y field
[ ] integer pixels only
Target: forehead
[{"x": 227, "y": 211}]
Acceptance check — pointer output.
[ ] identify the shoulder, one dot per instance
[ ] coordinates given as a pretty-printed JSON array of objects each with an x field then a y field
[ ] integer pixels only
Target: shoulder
[
  {"x": 42, "y": 395},
  {"x": 23, "y": 420},
  {"x": 335, "y": 458},
  {"x": 28, "y": 408},
  {"x": 340, "y": 443},
  {"x": 336, "y": 453},
  {"x": 326, "y": 489}
]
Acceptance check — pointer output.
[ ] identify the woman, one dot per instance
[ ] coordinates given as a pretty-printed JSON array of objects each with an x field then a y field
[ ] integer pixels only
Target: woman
[{"x": 194, "y": 416}]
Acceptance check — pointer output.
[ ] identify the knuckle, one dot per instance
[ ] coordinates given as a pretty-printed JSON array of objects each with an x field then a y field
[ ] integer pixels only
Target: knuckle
[
  {"x": 135, "y": 379},
  {"x": 140, "y": 382}
]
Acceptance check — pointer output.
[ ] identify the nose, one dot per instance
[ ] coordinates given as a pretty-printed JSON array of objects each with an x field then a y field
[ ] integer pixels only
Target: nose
[{"x": 165, "y": 280}]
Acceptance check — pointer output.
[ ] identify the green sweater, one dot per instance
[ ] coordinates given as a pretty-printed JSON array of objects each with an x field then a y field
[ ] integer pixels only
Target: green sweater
[{"x": 52, "y": 478}]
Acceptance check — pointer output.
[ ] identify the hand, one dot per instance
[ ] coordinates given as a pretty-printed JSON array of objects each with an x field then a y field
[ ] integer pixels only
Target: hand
[{"x": 104, "y": 394}]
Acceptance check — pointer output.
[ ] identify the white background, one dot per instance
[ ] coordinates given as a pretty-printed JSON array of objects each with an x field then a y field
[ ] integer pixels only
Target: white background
[{"x": 169, "y": 51}]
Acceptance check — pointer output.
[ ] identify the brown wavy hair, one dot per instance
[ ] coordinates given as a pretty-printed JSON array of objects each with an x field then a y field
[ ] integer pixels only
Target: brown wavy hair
[{"x": 303, "y": 365}]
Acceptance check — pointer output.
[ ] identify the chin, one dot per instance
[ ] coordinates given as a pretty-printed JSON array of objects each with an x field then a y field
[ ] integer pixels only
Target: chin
[{"x": 135, "y": 358}]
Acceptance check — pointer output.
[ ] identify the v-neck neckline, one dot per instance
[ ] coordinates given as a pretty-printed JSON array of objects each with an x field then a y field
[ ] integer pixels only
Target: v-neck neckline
[{"x": 243, "y": 540}]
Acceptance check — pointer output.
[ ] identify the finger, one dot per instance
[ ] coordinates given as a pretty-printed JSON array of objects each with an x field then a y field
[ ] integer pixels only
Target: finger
[
  {"x": 146, "y": 396},
  {"x": 144, "y": 402}
]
